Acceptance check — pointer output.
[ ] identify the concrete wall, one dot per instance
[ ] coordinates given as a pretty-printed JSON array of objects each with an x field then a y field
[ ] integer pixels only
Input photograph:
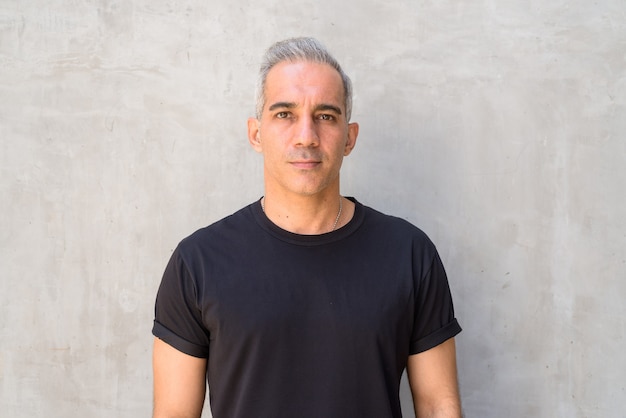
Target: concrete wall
[{"x": 496, "y": 126}]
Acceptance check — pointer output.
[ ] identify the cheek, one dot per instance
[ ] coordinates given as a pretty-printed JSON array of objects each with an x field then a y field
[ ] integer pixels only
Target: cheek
[
  {"x": 273, "y": 152},
  {"x": 341, "y": 145}
]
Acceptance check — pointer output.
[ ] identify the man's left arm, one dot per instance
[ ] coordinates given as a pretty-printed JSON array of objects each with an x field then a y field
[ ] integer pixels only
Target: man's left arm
[{"x": 433, "y": 380}]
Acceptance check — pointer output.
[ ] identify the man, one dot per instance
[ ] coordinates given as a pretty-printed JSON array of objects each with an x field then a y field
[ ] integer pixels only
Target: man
[{"x": 305, "y": 303}]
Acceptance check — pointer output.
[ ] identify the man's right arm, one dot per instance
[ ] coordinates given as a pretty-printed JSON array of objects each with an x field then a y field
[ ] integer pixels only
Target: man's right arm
[{"x": 179, "y": 382}]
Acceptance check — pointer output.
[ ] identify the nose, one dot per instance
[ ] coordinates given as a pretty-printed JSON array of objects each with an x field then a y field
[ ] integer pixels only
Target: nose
[{"x": 306, "y": 132}]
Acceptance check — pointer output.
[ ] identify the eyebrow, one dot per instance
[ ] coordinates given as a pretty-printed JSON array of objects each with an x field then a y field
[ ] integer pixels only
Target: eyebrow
[
  {"x": 330, "y": 107},
  {"x": 292, "y": 105},
  {"x": 282, "y": 105}
]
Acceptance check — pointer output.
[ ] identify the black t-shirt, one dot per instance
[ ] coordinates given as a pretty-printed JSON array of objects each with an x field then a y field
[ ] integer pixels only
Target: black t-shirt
[{"x": 305, "y": 325}]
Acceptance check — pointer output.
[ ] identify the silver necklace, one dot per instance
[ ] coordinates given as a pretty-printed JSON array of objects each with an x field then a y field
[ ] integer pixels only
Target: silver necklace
[{"x": 336, "y": 219}]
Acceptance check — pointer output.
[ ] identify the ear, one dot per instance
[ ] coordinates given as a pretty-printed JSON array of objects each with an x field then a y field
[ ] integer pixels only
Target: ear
[
  {"x": 353, "y": 132},
  {"x": 254, "y": 134}
]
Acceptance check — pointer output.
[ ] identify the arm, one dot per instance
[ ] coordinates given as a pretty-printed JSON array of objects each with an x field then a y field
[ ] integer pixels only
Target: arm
[
  {"x": 179, "y": 382},
  {"x": 433, "y": 381}
]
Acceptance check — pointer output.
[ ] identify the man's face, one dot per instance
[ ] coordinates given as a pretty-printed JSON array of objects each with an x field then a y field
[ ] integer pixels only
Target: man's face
[{"x": 303, "y": 133}]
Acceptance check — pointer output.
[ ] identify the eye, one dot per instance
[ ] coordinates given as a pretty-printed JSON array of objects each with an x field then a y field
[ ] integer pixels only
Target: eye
[
  {"x": 282, "y": 115},
  {"x": 326, "y": 116}
]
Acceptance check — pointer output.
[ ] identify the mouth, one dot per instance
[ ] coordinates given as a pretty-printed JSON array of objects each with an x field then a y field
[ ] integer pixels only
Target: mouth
[{"x": 305, "y": 164}]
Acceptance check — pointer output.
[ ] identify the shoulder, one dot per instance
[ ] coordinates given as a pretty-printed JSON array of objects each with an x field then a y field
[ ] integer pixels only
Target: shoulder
[
  {"x": 389, "y": 225},
  {"x": 398, "y": 238},
  {"x": 234, "y": 227}
]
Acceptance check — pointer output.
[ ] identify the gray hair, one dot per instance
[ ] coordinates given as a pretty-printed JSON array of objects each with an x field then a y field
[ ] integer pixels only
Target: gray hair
[{"x": 299, "y": 49}]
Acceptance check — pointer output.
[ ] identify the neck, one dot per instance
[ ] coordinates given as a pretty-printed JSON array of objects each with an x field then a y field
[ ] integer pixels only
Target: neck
[{"x": 308, "y": 215}]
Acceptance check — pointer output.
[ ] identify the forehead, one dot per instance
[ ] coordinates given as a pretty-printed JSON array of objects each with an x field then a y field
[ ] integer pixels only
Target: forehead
[{"x": 304, "y": 80}]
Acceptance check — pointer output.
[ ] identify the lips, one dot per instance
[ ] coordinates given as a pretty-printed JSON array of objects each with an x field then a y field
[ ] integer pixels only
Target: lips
[
  {"x": 305, "y": 164},
  {"x": 304, "y": 159}
]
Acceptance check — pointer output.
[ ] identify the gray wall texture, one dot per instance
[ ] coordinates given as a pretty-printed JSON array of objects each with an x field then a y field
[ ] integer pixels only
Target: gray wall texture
[{"x": 496, "y": 126}]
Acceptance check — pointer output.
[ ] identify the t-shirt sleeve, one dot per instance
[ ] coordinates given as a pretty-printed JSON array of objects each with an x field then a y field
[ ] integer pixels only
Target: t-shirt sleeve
[
  {"x": 434, "y": 320},
  {"x": 177, "y": 313}
]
